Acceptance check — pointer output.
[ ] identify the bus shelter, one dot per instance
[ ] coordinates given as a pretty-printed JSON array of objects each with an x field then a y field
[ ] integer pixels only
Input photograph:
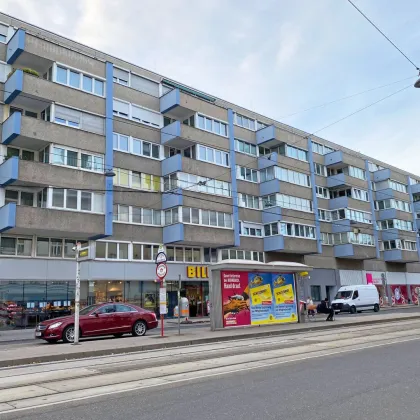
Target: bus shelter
[{"x": 248, "y": 293}]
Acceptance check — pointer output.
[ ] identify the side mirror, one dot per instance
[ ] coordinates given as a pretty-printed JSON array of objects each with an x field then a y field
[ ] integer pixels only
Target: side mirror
[{"x": 96, "y": 314}]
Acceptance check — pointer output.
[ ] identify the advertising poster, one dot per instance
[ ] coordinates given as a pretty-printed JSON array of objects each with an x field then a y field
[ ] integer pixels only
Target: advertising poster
[
  {"x": 399, "y": 294},
  {"x": 273, "y": 298},
  {"x": 415, "y": 289},
  {"x": 235, "y": 299}
]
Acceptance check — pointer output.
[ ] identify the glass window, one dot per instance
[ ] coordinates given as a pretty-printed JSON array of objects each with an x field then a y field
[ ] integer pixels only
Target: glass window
[
  {"x": 100, "y": 249},
  {"x": 136, "y": 214},
  {"x": 179, "y": 254},
  {"x": 123, "y": 251},
  {"x": 86, "y": 161},
  {"x": 71, "y": 199},
  {"x": 61, "y": 75},
  {"x": 147, "y": 252},
  {"x": 112, "y": 250},
  {"x": 136, "y": 146},
  {"x": 86, "y": 201},
  {"x": 42, "y": 247},
  {"x": 99, "y": 87},
  {"x": 87, "y": 83},
  {"x": 136, "y": 252},
  {"x": 71, "y": 158},
  {"x": 24, "y": 247},
  {"x": 56, "y": 248},
  {"x": 58, "y": 156},
  {"x": 8, "y": 246},
  {"x": 74, "y": 80},
  {"x": 58, "y": 197},
  {"x": 26, "y": 199},
  {"x": 68, "y": 248}
]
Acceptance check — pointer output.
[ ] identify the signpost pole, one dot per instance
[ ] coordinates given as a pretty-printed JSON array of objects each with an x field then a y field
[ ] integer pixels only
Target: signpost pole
[
  {"x": 161, "y": 271},
  {"x": 161, "y": 315},
  {"x": 77, "y": 298},
  {"x": 179, "y": 305}
]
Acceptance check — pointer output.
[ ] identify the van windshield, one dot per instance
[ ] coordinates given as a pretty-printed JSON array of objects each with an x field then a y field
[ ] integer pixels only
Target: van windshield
[{"x": 344, "y": 294}]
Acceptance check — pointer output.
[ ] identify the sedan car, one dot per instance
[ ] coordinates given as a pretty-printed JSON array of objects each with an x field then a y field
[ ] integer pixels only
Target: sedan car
[{"x": 99, "y": 320}]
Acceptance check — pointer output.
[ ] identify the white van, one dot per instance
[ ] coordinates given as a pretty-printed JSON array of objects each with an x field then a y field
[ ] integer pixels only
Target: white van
[{"x": 361, "y": 297}]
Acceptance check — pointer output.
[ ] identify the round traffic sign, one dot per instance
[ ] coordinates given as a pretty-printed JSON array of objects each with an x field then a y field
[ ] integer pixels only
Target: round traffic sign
[{"x": 161, "y": 270}]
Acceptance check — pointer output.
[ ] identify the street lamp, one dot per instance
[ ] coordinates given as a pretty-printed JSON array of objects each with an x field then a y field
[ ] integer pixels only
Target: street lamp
[{"x": 109, "y": 173}]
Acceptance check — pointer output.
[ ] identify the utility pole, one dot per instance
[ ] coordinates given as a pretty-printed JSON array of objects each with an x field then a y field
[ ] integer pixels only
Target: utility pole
[
  {"x": 179, "y": 305},
  {"x": 77, "y": 297}
]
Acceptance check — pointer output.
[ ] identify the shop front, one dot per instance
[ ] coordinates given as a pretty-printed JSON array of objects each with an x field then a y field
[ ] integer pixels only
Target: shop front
[{"x": 379, "y": 280}]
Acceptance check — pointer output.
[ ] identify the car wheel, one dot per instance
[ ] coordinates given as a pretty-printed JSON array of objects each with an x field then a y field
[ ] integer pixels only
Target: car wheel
[
  {"x": 352, "y": 309},
  {"x": 376, "y": 307},
  {"x": 68, "y": 334},
  {"x": 139, "y": 328},
  {"x": 119, "y": 335}
]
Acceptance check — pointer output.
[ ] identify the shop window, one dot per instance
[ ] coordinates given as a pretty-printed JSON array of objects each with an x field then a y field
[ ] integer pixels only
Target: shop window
[{"x": 316, "y": 293}]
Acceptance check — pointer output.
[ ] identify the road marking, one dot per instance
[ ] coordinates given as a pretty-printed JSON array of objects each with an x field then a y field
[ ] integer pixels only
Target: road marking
[{"x": 244, "y": 369}]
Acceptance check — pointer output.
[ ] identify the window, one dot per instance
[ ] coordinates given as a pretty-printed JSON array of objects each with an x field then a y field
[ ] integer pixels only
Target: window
[
  {"x": 316, "y": 293},
  {"x": 171, "y": 216},
  {"x": 76, "y": 159},
  {"x": 359, "y": 194},
  {"x": 393, "y": 204},
  {"x": 271, "y": 229},
  {"x": 269, "y": 201},
  {"x": 135, "y": 146},
  {"x": 395, "y": 224},
  {"x": 249, "y": 201},
  {"x": 322, "y": 192},
  {"x": 398, "y": 244},
  {"x": 320, "y": 170},
  {"x": 209, "y": 124},
  {"x": 245, "y": 122},
  {"x": 293, "y": 177},
  {"x": 77, "y": 119},
  {"x": 324, "y": 215},
  {"x": 357, "y": 172},
  {"x": 355, "y": 215},
  {"x": 137, "y": 215},
  {"x": 77, "y": 200},
  {"x": 267, "y": 174},
  {"x": 260, "y": 125},
  {"x": 144, "y": 85},
  {"x": 120, "y": 76},
  {"x": 78, "y": 80},
  {"x": 208, "y": 154},
  {"x": 197, "y": 184},
  {"x": 397, "y": 186},
  {"x": 20, "y": 153},
  {"x": 291, "y": 151},
  {"x": 245, "y": 147},
  {"x": 321, "y": 149},
  {"x": 250, "y": 229},
  {"x": 112, "y": 250},
  {"x": 56, "y": 248},
  {"x": 19, "y": 197},
  {"x": 190, "y": 215},
  {"x": 15, "y": 246},
  {"x": 373, "y": 167},
  {"x": 294, "y": 203},
  {"x": 353, "y": 238},
  {"x": 238, "y": 254},
  {"x": 327, "y": 238},
  {"x": 121, "y": 142},
  {"x": 137, "y": 180},
  {"x": 137, "y": 113},
  {"x": 247, "y": 174},
  {"x": 297, "y": 230},
  {"x": 216, "y": 219},
  {"x": 3, "y": 32}
]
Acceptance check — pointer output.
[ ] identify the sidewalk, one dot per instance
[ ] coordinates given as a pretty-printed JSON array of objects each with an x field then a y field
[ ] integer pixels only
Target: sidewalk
[{"x": 39, "y": 351}]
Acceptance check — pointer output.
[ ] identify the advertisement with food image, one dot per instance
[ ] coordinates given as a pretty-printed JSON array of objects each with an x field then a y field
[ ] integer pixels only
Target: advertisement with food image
[
  {"x": 235, "y": 295},
  {"x": 285, "y": 309},
  {"x": 260, "y": 289}
]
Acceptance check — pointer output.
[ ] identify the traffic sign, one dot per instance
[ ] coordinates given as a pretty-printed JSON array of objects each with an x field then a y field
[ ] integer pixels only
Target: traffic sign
[
  {"x": 161, "y": 270},
  {"x": 161, "y": 258}
]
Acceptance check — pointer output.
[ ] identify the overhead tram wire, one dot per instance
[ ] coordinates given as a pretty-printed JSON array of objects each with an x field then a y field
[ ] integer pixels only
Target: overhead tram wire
[{"x": 385, "y": 36}]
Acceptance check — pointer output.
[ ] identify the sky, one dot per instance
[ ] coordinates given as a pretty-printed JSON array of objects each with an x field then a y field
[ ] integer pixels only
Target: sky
[{"x": 275, "y": 57}]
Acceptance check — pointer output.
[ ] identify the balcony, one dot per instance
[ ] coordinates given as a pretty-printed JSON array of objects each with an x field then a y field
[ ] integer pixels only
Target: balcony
[
  {"x": 20, "y": 88},
  {"x": 198, "y": 235},
  {"x": 355, "y": 252},
  {"x": 335, "y": 160},
  {"x": 15, "y": 46},
  {"x": 415, "y": 188},
  {"x": 22, "y": 220},
  {"x": 381, "y": 175},
  {"x": 272, "y": 214},
  {"x": 394, "y": 214},
  {"x": 400, "y": 256},
  {"x": 291, "y": 245},
  {"x": 273, "y": 136},
  {"x": 27, "y": 173},
  {"x": 268, "y": 160},
  {"x": 270, "y": 187},
  {"x": 339, "y": 226},
  {"x": 179, "y": 105},
  {"x": 34, "y": 134}
]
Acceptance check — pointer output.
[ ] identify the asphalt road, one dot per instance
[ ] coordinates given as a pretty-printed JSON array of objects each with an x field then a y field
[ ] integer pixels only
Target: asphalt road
[{"x": 380, "y": 383}]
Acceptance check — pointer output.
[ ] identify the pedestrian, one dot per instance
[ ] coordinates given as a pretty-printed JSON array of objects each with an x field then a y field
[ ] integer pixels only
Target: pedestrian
[
  {"x": 310, "y": 305},
  {"x": 325, "y": 308}
]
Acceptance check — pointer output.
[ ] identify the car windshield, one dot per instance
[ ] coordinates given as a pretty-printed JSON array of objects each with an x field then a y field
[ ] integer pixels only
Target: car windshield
[
  {"x": 344, "y": 294},
  {"x": 88, "y": 309}
]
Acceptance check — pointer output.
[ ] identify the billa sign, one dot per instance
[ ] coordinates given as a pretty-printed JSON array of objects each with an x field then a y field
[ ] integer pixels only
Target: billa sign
[{"x": 197, "y": 272}]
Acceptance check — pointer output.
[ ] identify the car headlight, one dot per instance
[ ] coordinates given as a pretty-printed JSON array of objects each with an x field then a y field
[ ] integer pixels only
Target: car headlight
[{"x": 55, "y": 325}]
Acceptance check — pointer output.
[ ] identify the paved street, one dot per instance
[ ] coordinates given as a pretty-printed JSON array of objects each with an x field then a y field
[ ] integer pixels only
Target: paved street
[{"x": 364, "y": 372}]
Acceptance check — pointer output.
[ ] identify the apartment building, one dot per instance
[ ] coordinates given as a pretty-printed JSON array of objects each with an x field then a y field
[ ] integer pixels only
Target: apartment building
[{"x": 103, "y": 152}]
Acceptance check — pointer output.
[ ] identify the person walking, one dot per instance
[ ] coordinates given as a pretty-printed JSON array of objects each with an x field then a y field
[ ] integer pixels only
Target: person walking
[{"x": 325, "y": 308}]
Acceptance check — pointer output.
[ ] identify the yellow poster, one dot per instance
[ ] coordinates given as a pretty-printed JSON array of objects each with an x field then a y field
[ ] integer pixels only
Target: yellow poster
[
  {"x": 261, "y": 294},
  {"x": 284, "y": 294}
]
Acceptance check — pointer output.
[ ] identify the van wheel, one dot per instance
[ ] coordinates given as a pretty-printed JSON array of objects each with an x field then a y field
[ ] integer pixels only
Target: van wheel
[
  {"x": 376, "y": 307},
  {"x": 352, "y": 309}
]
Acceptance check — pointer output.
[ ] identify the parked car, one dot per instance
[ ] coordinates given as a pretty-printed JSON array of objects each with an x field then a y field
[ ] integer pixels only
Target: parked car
[
  {"x": 99, "y": 320},
  {"x": 357, "y": 298}
]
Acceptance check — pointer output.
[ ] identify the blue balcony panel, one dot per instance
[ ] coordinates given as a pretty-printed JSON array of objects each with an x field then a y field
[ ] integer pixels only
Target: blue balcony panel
[
  {"x": 180, "y": 105},
  {"x": 338, "y": 203},
  {"x": 15, "y": 46},
  {"x": 390, "y": 234},
  {"x": 415, "y": 188},
  {"x": 381, "y": 175},
  {"x": 272, "y": 214},
  {"x": 7, "y": 217},
  {"x": 388, "y": 214},
  {"x": 172, "y": 199},
  {"x": 9, "y": 171},
  {"x": 270, "y": 187},
  {"x": 334, "y": 181},
  {"x": 339, "y": 226},
  {"x": 13, "y": 86},
  {"x": 385, "y": 194},
  {"x": 352, "y": 251},
  {"x": 268, "y": 160},
  {"x": 274, "y": 243},
  {"x": 267, "y": 136},
  {"x": 398, "y": 255},
  {"x": 171, "y": 165},
  {"x": 11, "y": 128},
  {"x": 173, "y": 233},
  {"x": 416, "y": 206},
  {"x": 334, "y": 159}
]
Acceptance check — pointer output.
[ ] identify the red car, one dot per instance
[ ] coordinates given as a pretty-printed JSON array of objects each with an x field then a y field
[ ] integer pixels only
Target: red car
[{"x": 99, "y": 320}]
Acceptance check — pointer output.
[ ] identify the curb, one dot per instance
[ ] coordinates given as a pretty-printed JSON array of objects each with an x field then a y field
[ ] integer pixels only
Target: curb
[{"x": 190, "y": 342}]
